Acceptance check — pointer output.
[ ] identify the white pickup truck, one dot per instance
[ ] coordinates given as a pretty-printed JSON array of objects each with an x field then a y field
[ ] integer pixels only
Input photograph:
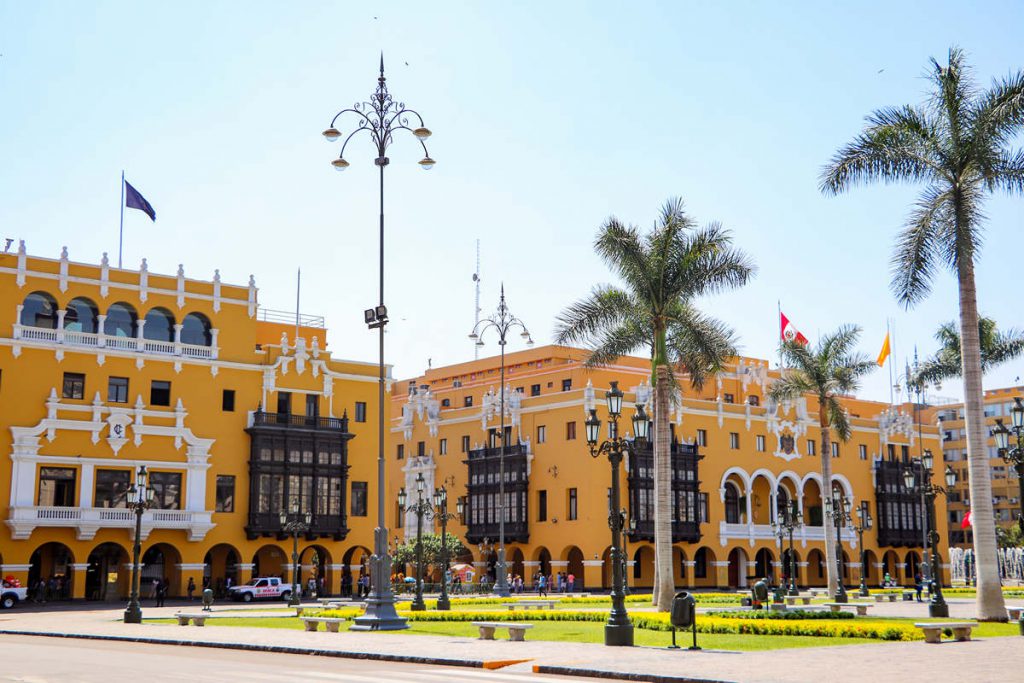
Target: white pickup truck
[
  {"x": 11, "y": 596},
  {"x": 261, "y": 589}
]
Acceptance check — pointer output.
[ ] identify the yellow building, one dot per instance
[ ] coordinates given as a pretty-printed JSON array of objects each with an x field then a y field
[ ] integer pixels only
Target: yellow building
[
  {"x": 738, "y": 458},
  {"x": 234, "y": 410},
  {"x": 1005, "y": 483}
]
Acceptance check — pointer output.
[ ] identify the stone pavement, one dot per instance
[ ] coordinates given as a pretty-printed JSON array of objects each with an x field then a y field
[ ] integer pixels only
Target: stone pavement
[{"x": 993, "y": 659}]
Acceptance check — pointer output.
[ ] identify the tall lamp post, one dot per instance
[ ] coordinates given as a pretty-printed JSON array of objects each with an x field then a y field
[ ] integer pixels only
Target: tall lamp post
[
  {"x": 295, "y": 524},
  {"x": 140, "y": 499},
  {"x": 838, "y": 508},
  {"x": 1014, "y": 455},
  {"x": 421, "y": 508},
  {"x": 864, "y": 524},
  {"x": 790, "y": 520},
  {"x": 916, "y": 384},
  {"x": 937, "y": 606},
  {"x": 502, "y": 322},
  {"x": 441, "y": 513},
  {"x": 619, "y": 629},
  {"x": 381, "y": 118}
]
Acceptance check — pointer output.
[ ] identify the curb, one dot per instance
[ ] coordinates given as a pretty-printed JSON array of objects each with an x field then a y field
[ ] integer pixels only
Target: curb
[
  {"x": 621, "y": 676},
  {"x": 281, "y": 649}
]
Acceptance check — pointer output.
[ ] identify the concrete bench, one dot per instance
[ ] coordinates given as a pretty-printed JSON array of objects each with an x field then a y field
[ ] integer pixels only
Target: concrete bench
[
  {"x": 197, "y": 619},
  {"x": 933, "y": 630},
  {"x": 818, "y": 592},
  {"x": 313, "y": 623},
  {"x": 516, "y": 632},
  {"x": 531, "y": 604},
  {"x": 804, "y": 599},
  {"x": 861, "y": 607},
  {"x": 1014, "y": 612}
]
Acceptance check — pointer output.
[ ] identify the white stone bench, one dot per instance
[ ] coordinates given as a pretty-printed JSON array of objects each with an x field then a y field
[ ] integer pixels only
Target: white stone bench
[
  {"x": 313, "y": 623},
  {"x": 531, "y": 604},
  {"x": 861, "y": 607},
  {"x": 197, "y": 619},
  {"x": 933, "y": 630},
  {"x": 804, "y": 599},
  {"x": 817, "y": 592},
  {"x": 516, "y": 632},
  {"x": 1014, "y": 612}
]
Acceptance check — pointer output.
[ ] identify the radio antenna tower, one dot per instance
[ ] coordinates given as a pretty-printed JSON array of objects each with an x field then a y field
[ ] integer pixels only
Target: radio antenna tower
[{"x": 476, "y": 303}]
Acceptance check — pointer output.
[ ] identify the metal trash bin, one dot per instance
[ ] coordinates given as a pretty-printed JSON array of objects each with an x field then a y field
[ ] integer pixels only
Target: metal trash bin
[{"x": 683, "y": 614}]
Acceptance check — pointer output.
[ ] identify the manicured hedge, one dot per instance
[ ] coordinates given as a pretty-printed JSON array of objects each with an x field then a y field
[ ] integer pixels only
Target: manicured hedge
[{"x": 789, "y": 614}]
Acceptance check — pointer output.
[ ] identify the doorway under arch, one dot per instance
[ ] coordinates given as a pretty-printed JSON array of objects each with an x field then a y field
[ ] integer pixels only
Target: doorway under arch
[
  {"x": 51, "y": 563},
  {"x": 737, "y": 568},
  {"x": 107, "y": 576}
]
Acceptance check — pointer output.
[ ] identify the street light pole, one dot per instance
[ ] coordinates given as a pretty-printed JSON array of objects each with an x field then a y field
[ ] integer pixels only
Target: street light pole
[
  {"x": 789, "y": 521},
  {"x": 441, "y": 513},
  {"x": 838, "y": 508},
  {"x": 502, "y": 322},
  {"x": 937, "y": 606},
  {"x": 619, "y": 629},
  {"x": 295, "y": 523},
  {"x": 420, "y": 508},
  {"x": 381, "y": 118},
  {"x": 864, "y": 525},
  {"x": 1015, "y": 455},
  {"x": 140, "y": 499}
]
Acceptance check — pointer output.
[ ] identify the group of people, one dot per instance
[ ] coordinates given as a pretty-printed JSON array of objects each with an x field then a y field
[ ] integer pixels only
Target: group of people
[
  {"x": 543, "y": 584},
  {"x": 160, "y": 587},
  {"x": 361, "y": 585},
  {"x": 45, "y": 590}
]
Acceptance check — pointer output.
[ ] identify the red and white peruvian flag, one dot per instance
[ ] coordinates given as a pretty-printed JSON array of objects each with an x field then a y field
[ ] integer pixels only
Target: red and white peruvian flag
[
  {"x": 790, "y": 333},
  {"x": 966, "y": 521}
]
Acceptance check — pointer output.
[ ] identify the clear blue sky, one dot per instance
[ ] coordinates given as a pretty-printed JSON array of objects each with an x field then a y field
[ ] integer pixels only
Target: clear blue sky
[{"x": 547, "y": 118}]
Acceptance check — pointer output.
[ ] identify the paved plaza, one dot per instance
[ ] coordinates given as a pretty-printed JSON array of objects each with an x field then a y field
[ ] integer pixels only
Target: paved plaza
[{"x": 983, "y": 659}]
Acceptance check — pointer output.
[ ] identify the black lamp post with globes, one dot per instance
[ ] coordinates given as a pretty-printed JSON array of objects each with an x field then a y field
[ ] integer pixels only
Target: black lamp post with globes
[{"x": 937, "y": 606}]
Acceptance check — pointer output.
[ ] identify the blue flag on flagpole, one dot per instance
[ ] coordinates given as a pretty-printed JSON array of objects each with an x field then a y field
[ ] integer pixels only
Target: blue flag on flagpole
[{"x": 134, "y": 200}]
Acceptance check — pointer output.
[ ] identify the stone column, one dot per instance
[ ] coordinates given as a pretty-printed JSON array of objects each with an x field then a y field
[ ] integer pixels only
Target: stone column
[
  {"x": 721, "y": 573},
  {"x": 193, "y": 570},
  {"x": 592, "y": 575},
  {"x": 332, "y": 582},
  {"x": 244, "y": 572},
  {"x": 78, "y": 575}
]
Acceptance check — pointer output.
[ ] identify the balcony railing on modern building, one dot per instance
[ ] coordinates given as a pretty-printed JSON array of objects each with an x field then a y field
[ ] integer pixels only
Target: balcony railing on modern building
[
  {"x": 263, "y": 419},
  {"x": 484, "y": 488},
  {"x": 685, "y": 492},
  {"x": 99, "y": 340},
  {"x": 87, "y": 521},
  {"x": 899, "y": 513}
]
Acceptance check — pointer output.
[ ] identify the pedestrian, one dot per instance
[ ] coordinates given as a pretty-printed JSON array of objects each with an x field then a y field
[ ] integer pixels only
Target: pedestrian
[
  {"x": 918, "y": 585},
  {"x": 886, "y": 580},
  {"x": 570, "y": 583},
  {"x": 191, "y": 588},
  {"x": 457, "y": 584},
  {"x": 154, "y": 588},
  {"x": 346, "y": 585},
  {"x": 542, "y": 586}
]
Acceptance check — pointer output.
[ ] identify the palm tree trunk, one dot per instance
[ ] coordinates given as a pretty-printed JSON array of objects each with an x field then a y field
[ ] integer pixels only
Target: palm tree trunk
[
  {"x": 832, "y": 569},
  {"x": 665, "y": 586},
  {"x": 990, "y": 604}
]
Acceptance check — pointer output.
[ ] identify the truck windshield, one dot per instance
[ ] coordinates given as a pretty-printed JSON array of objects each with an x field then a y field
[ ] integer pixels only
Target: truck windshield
[{"x": 254, "y": 582}]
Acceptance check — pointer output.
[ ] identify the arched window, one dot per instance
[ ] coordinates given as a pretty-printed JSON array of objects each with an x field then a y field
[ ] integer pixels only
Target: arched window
[
  {"x": 195, "y": 329},
  {"x": 159, "y": 325},
  {"x": 40, "y": 310},
  {"x": 82, "y": 316},
  {"x": 121, "y": 320},
  {"x": 732, "y": 504},
  {"x": 782, "y": 502}
]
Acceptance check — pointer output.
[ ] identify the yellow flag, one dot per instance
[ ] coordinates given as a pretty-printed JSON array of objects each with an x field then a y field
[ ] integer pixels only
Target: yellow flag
[{"x": 884, "y": 353}]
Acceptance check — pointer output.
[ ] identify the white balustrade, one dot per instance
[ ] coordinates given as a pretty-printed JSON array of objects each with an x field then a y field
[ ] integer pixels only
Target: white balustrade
[{"x": 101, "y": 340}]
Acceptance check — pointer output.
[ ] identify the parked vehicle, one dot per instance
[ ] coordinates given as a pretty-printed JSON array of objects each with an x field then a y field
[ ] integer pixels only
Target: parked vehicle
[
  {"x": 11, "y": 595},
  {"x": 263, "y": 588}
]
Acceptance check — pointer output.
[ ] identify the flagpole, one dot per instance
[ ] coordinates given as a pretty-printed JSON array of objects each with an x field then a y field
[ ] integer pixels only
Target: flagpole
[
  {"x": 298, "y": 289},
  {"x": 120, "y": 233},
  {"x": 779, "y": 342},
  {"x": 892, "y": 381}
]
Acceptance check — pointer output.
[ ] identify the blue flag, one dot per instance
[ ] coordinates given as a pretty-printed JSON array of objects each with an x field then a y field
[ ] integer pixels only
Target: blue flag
[{"x": 134, "y": 200}]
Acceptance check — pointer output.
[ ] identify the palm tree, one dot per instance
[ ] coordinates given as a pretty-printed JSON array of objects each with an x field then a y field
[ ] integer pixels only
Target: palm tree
[
  {"x": 996, "y": 348},
  {"x": 662, "y": 273},
  {"x": 829, "y": 370},
  {"x": 958, "y": 144}
]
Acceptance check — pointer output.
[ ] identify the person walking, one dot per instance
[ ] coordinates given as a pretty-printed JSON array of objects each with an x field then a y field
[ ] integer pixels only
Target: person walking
[
  {"x": 191, "y": 588},
  {"x": 542, "y": 586},
  {"x": 570, "y": 583},
  {"x": 918, "y": 585}
]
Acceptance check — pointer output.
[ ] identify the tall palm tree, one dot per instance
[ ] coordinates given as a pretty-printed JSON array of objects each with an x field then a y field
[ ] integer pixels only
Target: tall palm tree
[
  {"x": 996, "y": 348},
  {"x": 827, "y": 371},
  {"x": 661, "y": 273},
  {"x": 958, "y": 144}
]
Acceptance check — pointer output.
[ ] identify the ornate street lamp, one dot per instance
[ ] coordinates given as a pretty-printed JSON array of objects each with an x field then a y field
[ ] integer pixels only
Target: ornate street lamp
[
  {"x": 791, "y": 520},
  {"x": 865, "y": 524},
  {"x": 421, "y": 508},
  {"x": 937, "y": 606},
  {"x": 140, "y": 499},
  {"x": 1014, "y": 455},
  {"x": 838, "y": 508},
  {"x": 381, "y": 118},
  {"x": 295, "y": 524},
  {"x": 441, "y": 513},
  {"x": 916, "y": 384},
  {"x": 502, "y": 322},
  {"x": 619, "y": 629}
]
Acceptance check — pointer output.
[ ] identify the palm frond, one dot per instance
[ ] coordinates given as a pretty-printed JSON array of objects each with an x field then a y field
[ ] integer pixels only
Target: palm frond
[
  {"x": 619, "y": 341},
  {"x": 621, "y": 248},
  {"x": 607, "y": 306},
  {"x": 698, "y": 345},
  {"x": 913, "y": 263},
  {"x": 838, "y": 418}
]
